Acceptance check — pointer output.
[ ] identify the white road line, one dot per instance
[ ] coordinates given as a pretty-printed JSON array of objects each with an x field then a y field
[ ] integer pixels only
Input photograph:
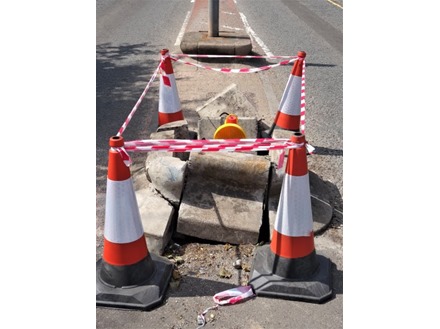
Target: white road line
[
  {"x": 182, "y": 30},
  {"x": 254, "y": 35},
  {"x": 232, "y": 28},
  {"x": 334, "y": 3},
  {"x": 268, "y": 91}
]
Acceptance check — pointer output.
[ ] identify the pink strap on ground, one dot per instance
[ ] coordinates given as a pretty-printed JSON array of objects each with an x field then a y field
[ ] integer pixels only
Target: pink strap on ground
[{"x": 234, "y": 295}]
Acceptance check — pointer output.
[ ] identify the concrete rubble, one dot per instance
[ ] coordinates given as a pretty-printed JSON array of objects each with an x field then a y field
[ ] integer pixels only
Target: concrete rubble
[{"x": 224, "y": 197}]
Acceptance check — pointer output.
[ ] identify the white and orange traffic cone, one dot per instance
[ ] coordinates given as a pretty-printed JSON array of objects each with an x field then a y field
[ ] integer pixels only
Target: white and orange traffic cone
[
  {"x": 288, "y": 116},
  {"x": 127, "y": 275},
  {"x": 289, "y": 267},
  {"x": 169, "y": 102}
]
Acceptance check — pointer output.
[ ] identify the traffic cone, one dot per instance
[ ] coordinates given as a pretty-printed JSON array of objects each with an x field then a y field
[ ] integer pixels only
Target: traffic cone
[
  {"x": 289, "y": 267},
  {"x": 127, "y": 275},
  {"x": 169, "y": 103},
  {"x": 289, "y": 113}
]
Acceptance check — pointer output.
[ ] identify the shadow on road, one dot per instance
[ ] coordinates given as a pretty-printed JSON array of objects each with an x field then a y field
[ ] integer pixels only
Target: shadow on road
[
  {"x": 327, "y": 151},
  {"x": 122, "y": 73},
  {"x": 193, "y": 286}
]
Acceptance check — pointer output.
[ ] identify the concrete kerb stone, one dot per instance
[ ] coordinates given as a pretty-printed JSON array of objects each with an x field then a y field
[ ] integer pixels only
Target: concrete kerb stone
[
  {"x": 167, "y": 176},
  {"x": 174, "y": 130},
  {"x": 227, "y": 43},
  {"x": 180, "y": 127},
  {"x": 156, "y": 213}
]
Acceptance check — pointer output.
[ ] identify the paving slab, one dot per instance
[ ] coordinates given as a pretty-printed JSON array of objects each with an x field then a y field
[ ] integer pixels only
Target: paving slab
[
  {"x": 157, "y": 214},
  {"x": 174, "y": 130},
  {"x": 223, "y": 197}
]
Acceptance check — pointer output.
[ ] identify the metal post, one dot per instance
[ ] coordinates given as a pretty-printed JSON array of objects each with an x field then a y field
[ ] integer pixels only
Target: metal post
[{"x": 213, "y": 8}]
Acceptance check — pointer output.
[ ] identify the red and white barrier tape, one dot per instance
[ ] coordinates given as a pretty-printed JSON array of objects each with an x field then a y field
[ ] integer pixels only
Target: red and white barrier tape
[
  {"x": 205, "y": 141},
  {"x": 233, "y": 296},
  {"x": 242, "y": 70},
  {"x": 302, "y": 127},
  {"x": 223, "y": 70},
  {"x": 175, "y": 57},
  {"x": 303, "y": 99},
  {"x": 231, "y": 56},
  {"x": 230, "y": 296},
  {"x": 138, "y": 103},
  {"x": 206, "y": 145},
  {"x": 209, "y": 145},
  {"x": 201, "y": 321},
  {"x": 124, "y": 155}
]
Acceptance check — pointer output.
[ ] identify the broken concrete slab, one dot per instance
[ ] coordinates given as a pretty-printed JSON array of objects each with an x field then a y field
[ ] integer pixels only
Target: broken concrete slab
[
  {"x": 157, "y": 216},
  {"x": 167, "y": 176},
  {"x": 152, "y": 156},
  {"x": 179, "y": 127},
  {"x": 178, "y": 133},
  {"x": 138, "y": 176},
  {"x": 230, "y": 101},
  {"x": 223, "y": 197}
]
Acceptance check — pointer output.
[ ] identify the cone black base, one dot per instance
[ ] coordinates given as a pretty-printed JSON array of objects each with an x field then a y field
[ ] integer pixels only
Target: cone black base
[
  {"x": 141, "y": 297},
  {"x": 315, "y": 288}
]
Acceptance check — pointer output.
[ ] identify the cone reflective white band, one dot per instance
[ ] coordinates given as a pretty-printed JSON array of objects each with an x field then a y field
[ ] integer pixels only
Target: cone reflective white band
[
  {"x": 169, "y": 101},
  {"x": 122, "y": 218},
  {"x": 303, "y": 101},
  {"x": 291, "y": 102},
  {"x": 295, "y": 203}
]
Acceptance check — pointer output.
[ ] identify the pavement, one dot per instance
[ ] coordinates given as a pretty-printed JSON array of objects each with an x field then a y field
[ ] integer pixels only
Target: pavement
[{"x": 202, "y": 268}]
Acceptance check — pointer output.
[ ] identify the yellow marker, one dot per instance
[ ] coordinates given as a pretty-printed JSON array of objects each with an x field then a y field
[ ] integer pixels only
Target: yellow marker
[{"x": 230, "y": 129}]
